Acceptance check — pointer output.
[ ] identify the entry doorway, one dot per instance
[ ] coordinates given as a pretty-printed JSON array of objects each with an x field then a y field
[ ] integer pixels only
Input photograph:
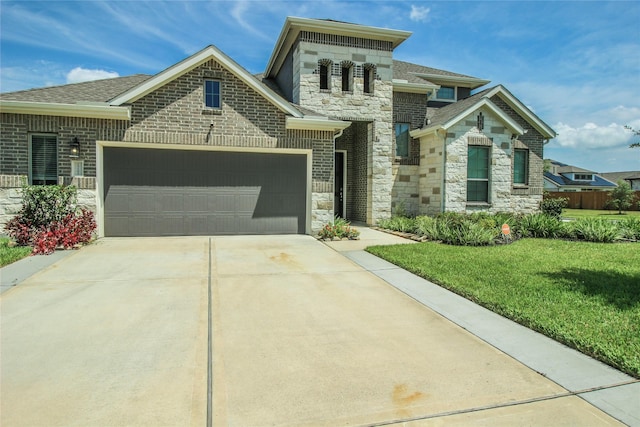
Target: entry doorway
[{"x": 340, "y": 184}]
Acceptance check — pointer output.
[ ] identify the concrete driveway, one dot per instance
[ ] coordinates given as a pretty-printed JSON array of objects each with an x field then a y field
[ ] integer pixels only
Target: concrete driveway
[{"x": 118, "y": 334}]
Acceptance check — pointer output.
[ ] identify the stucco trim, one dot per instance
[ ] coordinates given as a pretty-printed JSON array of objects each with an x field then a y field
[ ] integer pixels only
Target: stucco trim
[
  {"x": 404, "y": 86},
  {"x": 190, "y": 63},
  {"x": 296, "y": 123},
  {"x": 96, "y": 111}
]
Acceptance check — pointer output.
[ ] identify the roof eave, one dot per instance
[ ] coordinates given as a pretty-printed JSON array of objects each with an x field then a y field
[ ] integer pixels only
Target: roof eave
[
  {"x": 66, "y": 110},
  {"x": 313, "y": 123},
  {"x": 470, "y": 82},
  {"x": 546, "y": 131},
  {"x": 404, "y": 86},
  {"x": 294, "y": 25}
]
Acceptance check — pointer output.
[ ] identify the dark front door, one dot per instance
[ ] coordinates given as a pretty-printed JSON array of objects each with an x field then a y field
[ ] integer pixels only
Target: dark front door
[{"x": 339, "y": 185}]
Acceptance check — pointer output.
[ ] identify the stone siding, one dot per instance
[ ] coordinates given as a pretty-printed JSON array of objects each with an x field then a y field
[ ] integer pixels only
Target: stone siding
[
  {"x": 430, "y": 175},
  {"x": 376, "y": 109},
  {"x": 405, "y": 194}
]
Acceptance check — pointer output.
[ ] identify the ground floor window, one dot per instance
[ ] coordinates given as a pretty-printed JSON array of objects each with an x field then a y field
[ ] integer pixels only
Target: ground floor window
[
  {"x": 478, "y": 174},
  {"x": 402, "y": 140},
  {"x": 520, "y": 166},
  {"x": 43, "y": 160}
]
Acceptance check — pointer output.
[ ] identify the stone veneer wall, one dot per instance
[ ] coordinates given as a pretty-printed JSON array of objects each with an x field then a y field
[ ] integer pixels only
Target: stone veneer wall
[
  {"x": 355, "y": 106},
  {"x": 430, "y": 174},
  {"x": 174, "y": 114},
  {"x": 502, "y": 198}
]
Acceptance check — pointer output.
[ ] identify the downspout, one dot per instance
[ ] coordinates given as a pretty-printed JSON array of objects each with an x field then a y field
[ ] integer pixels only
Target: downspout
[{"x": 335, "y": 136}]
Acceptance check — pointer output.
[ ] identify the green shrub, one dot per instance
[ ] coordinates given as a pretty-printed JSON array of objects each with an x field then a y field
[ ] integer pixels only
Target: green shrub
[
  {"x": 45, "y": 204},
  {"x": 427, "y": 226},
  {"x": 593, "y": 230},
  {"x": 398, "y": 223},
  {"x": 340, "y": 228},
  {"x": 621, "y": 197},
  {"x": 553, "y": 206},
  {"x": 630, "y": 228},
  {"x": 540, "y": 225}
]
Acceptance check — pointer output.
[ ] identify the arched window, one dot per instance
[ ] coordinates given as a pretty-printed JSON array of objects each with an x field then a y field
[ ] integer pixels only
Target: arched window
[
  {"x": 369, "y": 74},
  {"x": 324, "y": 69},
  {"x": 347, "y": 76}
]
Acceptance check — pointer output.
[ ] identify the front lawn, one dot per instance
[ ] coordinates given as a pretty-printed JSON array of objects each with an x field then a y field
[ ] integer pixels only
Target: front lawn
[
  {"x": 585, "y": 295},
  {"x": 607, "y": 214},
  {"x": 9, "y": 255}
]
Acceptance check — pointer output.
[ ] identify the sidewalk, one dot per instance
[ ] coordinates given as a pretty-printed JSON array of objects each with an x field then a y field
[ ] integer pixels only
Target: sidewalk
[{"x": 606, "y": 388}]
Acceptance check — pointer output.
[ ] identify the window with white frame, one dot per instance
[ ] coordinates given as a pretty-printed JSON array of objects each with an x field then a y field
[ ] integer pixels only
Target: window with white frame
[
  {"x": 212, "y": 94},
  {"x": 43, "y": 160},
  {"x": 478, "y": 174}
]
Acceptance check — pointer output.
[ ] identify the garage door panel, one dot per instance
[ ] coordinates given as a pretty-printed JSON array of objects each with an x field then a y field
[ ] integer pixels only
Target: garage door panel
[{"x": 179, "y": 192}]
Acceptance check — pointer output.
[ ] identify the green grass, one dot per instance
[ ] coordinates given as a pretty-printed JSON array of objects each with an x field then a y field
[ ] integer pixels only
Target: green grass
[
  {"x": 585, "y": 295},
  {"x": 9, "y": 255},
  {"x": 585, "y": 213}
]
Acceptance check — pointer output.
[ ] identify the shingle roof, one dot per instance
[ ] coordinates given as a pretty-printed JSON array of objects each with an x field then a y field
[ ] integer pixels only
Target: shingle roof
[
  {"x": 616, "y": 176},
  {"x": 444, "y": 114},
  {"x": 564, "y": 181},
  {"x": 93, "y": 91},
  {"x": 407, "y": 71}
]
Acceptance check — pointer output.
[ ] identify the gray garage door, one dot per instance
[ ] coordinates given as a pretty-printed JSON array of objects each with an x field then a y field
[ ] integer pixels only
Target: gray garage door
[{"x": 154, "y": 192}]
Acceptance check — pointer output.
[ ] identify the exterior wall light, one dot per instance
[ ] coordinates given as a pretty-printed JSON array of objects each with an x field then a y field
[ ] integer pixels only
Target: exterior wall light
[{"x": 74, "y": 145}]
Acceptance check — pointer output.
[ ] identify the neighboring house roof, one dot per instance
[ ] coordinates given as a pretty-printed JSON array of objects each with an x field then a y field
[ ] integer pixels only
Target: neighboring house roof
[
  {"x": 419, "y": 74},
  {"x": 558, "y": 176},
  {"x": 447, "y": 116},
  {"x": 292, "y": 27},
  {"x": 616, "y": 176}
]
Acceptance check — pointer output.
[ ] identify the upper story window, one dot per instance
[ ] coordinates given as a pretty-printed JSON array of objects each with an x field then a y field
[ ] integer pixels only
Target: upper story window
[
  {"x": 43, "y": 161},
  {"x": 478, "y": 173},
  {"x": 583, "y": 177},
  {"x": 212, "y": 94},
  {"x": 347, "y": 76},
  {"x": 369, "y": 77},
  {"x": 324, "y": 69},
  {"x": 520, "y": 166},
  {"x": 446, "y": 93},
  {"x": 402, "y": 140}
]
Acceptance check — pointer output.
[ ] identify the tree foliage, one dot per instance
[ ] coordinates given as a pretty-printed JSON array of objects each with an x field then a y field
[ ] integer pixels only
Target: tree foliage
[
  {"x": 621, "y": 197},
  {"x": 635, "y": 133}
]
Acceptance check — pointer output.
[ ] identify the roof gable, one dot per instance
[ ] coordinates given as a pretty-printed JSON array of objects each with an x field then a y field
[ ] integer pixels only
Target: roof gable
[
  {"x": 448, "y": 116},
  {"x": 199, "y": 58}
]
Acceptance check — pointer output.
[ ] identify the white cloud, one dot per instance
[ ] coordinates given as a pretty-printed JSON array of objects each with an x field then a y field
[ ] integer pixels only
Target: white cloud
[
  {"x": 591, "y": 135},
  {"x": 80, "y": 74},
  {"x": 419, "y": 13}
]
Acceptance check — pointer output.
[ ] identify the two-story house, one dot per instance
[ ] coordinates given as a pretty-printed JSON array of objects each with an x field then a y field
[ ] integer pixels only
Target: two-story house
[{"x": 334, "y": 126}]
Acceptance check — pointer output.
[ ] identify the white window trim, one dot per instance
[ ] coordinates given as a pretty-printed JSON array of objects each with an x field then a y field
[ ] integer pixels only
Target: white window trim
[
  {"x": 77, "y": 168},
  {"x": 204, "y": 94}
]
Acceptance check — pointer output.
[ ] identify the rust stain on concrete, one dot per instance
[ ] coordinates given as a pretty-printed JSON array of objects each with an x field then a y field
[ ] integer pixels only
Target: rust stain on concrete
[{"x": 402, "y": 399}]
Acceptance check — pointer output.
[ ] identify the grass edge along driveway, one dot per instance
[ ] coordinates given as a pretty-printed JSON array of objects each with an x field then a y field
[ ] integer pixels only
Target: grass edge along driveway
[
  {"x": 9, "y": 255},
  {"x": 585, "y": 295}
]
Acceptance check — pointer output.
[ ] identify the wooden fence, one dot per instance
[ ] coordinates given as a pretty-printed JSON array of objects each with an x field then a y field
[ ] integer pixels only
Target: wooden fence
[{"x": 590, "y": 199}]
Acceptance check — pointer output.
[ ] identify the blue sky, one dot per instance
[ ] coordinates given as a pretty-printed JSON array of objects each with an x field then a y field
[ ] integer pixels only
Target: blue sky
[{"x": 575, "y": 64}]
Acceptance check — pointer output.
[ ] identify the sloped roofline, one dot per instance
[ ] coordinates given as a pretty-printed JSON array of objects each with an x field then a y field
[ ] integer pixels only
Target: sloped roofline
[
  {"x": 85, "y": 110},
  {"x": 483, "y": 102},
  {"x": 470, "y": 82},
  {"x": 195, "y": 60},
  {"x": 293, "y": 25},
  {"x": 521, "y": 109}
]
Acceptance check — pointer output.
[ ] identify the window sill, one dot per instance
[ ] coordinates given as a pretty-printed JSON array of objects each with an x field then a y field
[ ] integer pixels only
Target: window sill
[
  {"x": 479, "y": 204},
  {"x": 521, "y": 186},
  {"x": 211, "y": 111}
]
